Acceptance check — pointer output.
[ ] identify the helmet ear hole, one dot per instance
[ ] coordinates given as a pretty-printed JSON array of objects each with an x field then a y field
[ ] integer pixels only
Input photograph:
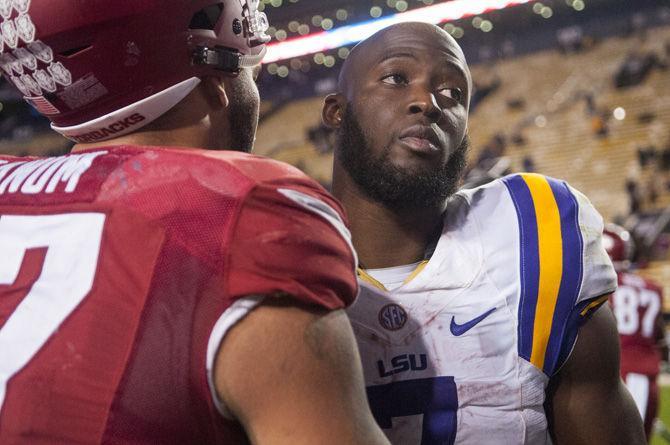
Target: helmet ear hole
[{"x": 207, "y": 18}]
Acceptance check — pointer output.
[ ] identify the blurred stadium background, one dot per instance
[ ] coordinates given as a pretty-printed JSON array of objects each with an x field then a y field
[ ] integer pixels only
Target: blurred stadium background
[{"x": 575, "y": 89}]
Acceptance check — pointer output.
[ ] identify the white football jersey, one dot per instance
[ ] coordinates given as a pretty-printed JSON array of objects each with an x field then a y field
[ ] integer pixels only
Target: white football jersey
[{"x": 463, "y": 351}]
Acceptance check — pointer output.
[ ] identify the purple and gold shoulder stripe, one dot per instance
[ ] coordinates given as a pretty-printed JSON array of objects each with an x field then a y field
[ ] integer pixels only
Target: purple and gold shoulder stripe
[{"x": 551, "y": 268}]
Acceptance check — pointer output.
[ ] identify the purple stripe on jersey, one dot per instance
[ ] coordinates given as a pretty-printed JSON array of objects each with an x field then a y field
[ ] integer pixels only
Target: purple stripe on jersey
[
  {"x": 573, "y": 323},
  {"x": 563, "y": 333},
  {"x": 530, "y": 261}
]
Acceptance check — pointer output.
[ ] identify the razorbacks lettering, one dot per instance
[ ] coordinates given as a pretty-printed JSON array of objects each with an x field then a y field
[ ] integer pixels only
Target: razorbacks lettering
[{"x": 110, "y": 130}]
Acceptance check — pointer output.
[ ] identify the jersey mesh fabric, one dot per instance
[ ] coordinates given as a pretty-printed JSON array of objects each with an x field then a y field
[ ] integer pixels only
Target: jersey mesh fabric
[{"x": 127, "y": 366}]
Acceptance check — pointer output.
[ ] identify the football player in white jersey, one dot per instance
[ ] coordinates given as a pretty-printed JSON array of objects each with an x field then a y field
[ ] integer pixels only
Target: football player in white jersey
[{"x": 476, "y": 339}]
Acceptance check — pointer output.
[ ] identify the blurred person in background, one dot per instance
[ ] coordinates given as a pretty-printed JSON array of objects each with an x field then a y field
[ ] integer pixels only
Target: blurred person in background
[
  {"x": 471, "y": 302},
  {"x": 153, "y": 291},
  {"x": 638, "y": 308}
]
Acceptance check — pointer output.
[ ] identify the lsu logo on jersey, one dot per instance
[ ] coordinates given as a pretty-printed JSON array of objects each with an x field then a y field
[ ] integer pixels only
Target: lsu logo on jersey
[{"x": 403, "y": 363}]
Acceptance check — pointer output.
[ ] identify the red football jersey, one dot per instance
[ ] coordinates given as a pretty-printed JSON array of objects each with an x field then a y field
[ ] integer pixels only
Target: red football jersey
[
  {"x": 637, "y": 305},
  {"x": 121, "y": 270}
]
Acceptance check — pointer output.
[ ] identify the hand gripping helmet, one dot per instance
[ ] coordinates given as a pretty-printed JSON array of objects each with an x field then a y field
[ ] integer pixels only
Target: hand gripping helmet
[
  {"x": 619, "y": 245},
  {"x": 100, "y": 69}
]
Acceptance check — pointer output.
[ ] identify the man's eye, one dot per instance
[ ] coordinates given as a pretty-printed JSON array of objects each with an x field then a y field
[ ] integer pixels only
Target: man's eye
[
  {"x": 394, "y": 79},
  {"x": 452, "y": 93}
]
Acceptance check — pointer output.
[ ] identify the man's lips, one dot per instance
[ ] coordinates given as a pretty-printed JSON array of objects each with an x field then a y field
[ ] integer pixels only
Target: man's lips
[
  {"x": 419, "y": 144},
  {"x": 421, "y": 138}
]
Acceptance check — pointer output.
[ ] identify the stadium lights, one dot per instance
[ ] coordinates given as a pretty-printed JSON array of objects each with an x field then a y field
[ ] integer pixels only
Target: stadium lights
[{"x": 347, "y": 35}]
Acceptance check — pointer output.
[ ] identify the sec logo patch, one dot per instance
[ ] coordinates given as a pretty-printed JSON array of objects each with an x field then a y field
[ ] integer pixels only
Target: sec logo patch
[{"x": 392, "y": 317}]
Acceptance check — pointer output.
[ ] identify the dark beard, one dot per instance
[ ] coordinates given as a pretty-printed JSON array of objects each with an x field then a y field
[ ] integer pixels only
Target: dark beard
[{"x": 395, "y": 188}]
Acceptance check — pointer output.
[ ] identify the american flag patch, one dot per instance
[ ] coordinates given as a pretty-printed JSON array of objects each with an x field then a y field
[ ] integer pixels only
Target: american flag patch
[{"x": 42, "y": 105}]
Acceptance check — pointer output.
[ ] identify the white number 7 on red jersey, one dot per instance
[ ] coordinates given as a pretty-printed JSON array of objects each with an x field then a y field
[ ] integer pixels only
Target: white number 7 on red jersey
[{"x": 73, "y": 244}]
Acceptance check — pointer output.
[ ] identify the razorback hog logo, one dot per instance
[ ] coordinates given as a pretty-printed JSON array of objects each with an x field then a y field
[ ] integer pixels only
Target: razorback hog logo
[
  {"x": 5, "y": 8},
  {"x": 30, "y": 83},
  {"x": 111, "y": 130},
  {"x": 60, "y": 74},
  {"x": 26, "y": 58},
  {"x": 20, "y": 85},
  {"x": 45, "y": 81},
  {"x": 25, "y": 28},
  {"x": 6, "y": 64},
  {"x": 22, "y": 5},
  {"x": 9, "y": 33},
  {"x": 42, "y": 51},
  {"x": 16, "y": 65}
]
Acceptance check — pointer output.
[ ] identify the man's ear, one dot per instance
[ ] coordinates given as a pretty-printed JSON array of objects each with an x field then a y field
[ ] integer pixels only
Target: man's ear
[
  {"x": 333, "y": 110},
  {"x": 217, "y": 89}
]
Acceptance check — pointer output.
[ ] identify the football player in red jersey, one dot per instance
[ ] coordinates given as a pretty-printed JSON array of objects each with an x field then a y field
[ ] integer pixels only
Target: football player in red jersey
[
  {"x": 152, "y": 292},
  {"x": 638, "y": 307}
]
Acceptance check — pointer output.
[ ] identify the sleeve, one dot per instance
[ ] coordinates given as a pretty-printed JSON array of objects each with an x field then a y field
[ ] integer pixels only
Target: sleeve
[
  {"x": 565, "y": 271},
  {"x": 598, "y": 279},
  {"x": 291, "y": 238},
  {"x": 599, "y": 275}
]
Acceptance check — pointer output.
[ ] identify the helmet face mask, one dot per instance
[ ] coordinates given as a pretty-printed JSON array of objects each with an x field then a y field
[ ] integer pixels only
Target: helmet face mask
[
  {"x": 256, "y": 23},
  {"x": 100, "y": 69}
]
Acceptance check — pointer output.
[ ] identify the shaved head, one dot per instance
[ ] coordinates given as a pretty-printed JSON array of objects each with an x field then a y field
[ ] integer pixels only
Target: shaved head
[
  {"x": 400, "y": 116},
  {"x": 359, "y": 57}
]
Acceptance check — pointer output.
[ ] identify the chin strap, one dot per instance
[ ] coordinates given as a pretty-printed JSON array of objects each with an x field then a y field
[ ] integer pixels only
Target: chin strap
[{"x": 252, "y": 61}]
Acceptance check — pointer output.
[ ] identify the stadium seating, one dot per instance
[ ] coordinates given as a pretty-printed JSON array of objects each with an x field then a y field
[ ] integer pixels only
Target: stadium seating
[
  {"x": 554, "y": 122},
  {"x": 557, "y": 128}
]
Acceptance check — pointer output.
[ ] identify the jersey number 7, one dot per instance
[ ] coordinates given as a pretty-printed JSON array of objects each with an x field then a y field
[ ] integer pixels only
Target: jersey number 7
[
  {"x": 73, "y": 243},
  {"x": 436, "y": 398}
]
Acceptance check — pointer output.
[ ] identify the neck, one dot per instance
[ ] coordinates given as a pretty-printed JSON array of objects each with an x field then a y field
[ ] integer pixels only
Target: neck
[
  {"x": 191, "y": 123},
  {"x": 182, "y": 137},
  {"x": 385, "y": 237}
]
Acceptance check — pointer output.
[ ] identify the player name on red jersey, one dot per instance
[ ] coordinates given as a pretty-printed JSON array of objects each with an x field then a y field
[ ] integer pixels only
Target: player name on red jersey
[{"x": 44, "y": 175}]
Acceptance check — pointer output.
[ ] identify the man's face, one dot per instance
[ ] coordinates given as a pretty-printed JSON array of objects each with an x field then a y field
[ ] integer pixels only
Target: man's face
[
  {"x": 243, "y": 110},
  {"x": 403, "y": 136},
  {"x": 392, "y": 185}
]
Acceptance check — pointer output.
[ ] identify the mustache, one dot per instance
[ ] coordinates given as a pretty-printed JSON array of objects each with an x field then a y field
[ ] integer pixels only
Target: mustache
[{"x": 382, "y": 181}]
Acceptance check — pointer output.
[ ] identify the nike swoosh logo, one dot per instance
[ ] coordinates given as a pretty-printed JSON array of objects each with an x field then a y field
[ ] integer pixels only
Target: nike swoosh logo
[{"x": 460, "y": 329}]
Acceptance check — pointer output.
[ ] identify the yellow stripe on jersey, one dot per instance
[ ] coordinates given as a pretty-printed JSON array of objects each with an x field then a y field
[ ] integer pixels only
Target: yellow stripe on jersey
[
  {"x": 550, "y": 246},
  {"x": 363, "y": 275},
  {"x": 551, "y": 269},
  {"x": 421, "y": 266},
  {"x": 594, "y": 304}
]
